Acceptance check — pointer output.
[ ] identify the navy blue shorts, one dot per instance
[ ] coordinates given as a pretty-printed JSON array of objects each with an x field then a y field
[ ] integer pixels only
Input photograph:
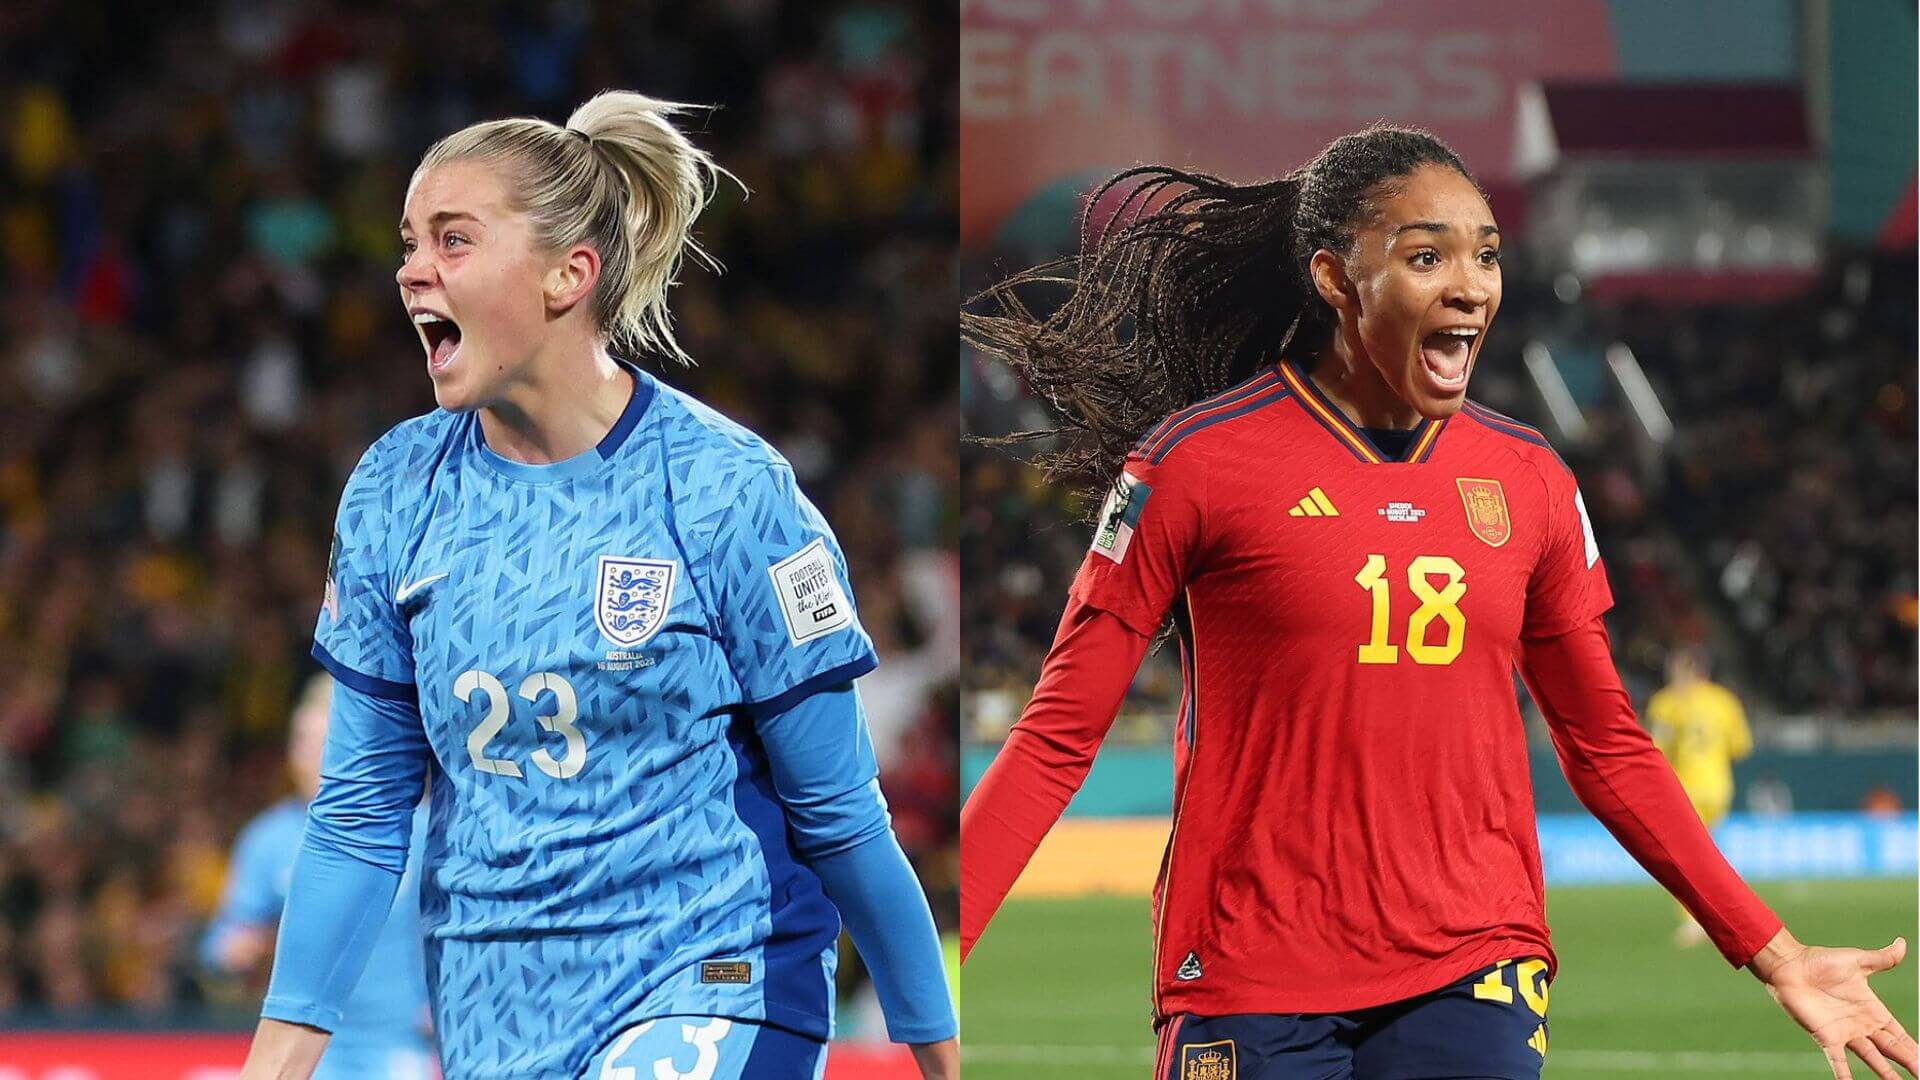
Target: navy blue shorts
[{"x": 1491, "y": 1025}]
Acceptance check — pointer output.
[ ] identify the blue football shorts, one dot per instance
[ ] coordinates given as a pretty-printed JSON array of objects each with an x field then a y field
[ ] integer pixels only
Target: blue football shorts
[{"x": 1491, "y": 1025}]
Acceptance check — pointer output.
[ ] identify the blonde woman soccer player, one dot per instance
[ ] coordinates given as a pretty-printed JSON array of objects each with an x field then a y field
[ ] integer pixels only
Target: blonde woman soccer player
[
  {"x": 382, "y": 1032},
  {"x": 609, "y": 629}
]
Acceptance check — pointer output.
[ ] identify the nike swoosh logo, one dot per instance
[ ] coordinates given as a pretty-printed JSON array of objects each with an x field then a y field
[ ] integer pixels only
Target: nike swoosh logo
[{"x": 412, "y": 587}]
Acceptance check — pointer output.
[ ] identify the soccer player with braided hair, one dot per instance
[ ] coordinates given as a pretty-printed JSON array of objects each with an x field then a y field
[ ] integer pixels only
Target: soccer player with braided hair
[
  {"x": 603, "y": 629},
  {"x": 1268, "y": 384}
]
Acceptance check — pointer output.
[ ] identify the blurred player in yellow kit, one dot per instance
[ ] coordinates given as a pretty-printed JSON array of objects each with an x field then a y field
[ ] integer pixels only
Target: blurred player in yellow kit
[{"x": 1702, "y": 729}]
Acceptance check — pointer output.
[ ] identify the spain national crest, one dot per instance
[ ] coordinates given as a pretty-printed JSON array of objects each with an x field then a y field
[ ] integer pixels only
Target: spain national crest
[
  {"x": 1486, "y": 510},
  {"x": 632, "y": 597},
  {"x": 1209, "y": 1061}
]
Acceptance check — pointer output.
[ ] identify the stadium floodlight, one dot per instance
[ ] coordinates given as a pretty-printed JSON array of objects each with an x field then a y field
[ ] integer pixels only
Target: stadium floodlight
[
  {"x": 1566, "y": 414},
  {"x": 1641, "y": 397}
]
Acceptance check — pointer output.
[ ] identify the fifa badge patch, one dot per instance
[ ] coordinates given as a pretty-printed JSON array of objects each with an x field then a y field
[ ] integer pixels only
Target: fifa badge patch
[
  {"x": 1209, "y": 1061},
  {"x": 1486, "y": 507},
  {"x": 1119, "y": 516},
  {"x": 810, "y": 593},
  {"x": 631, "y": 598},
  {"x": 1586, "y": 529},
  {"x": 330, "y": 600}
]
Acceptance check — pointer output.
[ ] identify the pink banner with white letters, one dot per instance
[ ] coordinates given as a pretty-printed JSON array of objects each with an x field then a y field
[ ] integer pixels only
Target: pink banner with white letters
[{"x": 1059, "y": 92}]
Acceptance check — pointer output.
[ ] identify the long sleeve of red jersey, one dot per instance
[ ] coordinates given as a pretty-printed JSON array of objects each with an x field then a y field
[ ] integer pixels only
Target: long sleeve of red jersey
[
  {"x": 1045, "y": 759},
  {"x": 1621, "y": 777}
]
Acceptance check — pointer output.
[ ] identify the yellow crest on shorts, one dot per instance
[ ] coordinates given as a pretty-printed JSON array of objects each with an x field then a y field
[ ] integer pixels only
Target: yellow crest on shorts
[
  {"x": 1208, "y": 1061},
  {"x": 1486, "y": 507}
]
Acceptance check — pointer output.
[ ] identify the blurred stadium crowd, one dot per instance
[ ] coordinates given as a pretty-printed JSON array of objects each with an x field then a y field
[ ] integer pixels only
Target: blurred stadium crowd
[
  {"x": 1780, "y": 524},
  {"x": 1777, "y": 527},
  {"x": 201, "y": 334}
]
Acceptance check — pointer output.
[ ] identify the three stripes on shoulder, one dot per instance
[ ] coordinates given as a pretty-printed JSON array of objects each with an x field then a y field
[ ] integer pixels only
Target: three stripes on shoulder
[{"x": 1316, "y": 504}]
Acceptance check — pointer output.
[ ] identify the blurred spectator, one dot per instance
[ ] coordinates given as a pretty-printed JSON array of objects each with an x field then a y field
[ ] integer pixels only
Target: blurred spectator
[
  {"x": 202, "y": 334},
  {"x": 1881, "y": 802},
  {"x": 1769, "y": 796}
]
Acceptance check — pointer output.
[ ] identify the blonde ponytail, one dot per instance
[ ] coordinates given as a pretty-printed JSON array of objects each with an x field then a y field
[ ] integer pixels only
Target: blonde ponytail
[{"x": 620, "y": 178}]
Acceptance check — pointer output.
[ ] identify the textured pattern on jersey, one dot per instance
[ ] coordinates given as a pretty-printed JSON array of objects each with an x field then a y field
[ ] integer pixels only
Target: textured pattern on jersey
[{"x": 597, "y": 826}]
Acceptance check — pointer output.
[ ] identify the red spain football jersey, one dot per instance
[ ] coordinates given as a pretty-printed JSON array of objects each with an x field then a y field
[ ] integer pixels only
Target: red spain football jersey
[{"x": 1352, "y": 817}]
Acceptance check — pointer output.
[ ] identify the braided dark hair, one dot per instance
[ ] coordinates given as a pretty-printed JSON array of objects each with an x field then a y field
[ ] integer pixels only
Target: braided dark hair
[{"x": 1191, "y": 285}]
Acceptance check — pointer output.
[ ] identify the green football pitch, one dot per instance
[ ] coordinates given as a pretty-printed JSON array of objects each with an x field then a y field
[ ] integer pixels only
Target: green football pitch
[{"x": 1057, "y": 988}]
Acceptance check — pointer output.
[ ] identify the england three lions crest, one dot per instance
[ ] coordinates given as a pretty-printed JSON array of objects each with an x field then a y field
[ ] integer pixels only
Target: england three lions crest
[
  {"x": 1486, "y": 507},
  {"x": 631, "y": 598}
]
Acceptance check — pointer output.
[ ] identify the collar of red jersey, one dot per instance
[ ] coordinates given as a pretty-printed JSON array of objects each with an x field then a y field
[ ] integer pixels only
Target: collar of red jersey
[{"x": 1425, "y": 435}]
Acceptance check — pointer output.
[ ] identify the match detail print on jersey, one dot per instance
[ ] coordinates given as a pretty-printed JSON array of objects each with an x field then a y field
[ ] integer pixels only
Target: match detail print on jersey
[
  {"x": 1403, "y": 512},
  {"x": 1120, "y": 516},
  {"x": 810, "y": 595}
]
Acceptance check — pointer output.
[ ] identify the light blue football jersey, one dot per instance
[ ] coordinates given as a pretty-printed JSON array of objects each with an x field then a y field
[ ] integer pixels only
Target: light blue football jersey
[
  {"x": 588, "y": 643},
  {"x": 387, "y": 1012}
]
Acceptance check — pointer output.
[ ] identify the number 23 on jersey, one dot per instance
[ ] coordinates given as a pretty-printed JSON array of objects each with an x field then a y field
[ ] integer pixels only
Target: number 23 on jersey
[{"x": 566, "y": 709}]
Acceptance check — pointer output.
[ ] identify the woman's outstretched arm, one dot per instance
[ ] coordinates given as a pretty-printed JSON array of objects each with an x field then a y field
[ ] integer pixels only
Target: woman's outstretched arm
[
  {"x": 1045, "y": 758},
  {"x": 1620, "y": 776}
]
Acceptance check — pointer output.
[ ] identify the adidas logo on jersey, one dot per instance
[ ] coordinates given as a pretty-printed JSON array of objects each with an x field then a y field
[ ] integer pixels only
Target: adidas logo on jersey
[
  {"x": 1189, "y": 968},
  {"x": 1316, "y": 504}
]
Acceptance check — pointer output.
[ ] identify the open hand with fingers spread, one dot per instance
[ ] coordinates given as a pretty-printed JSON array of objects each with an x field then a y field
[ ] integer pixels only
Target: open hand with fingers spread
[{"x": 1825, "y": 991}]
